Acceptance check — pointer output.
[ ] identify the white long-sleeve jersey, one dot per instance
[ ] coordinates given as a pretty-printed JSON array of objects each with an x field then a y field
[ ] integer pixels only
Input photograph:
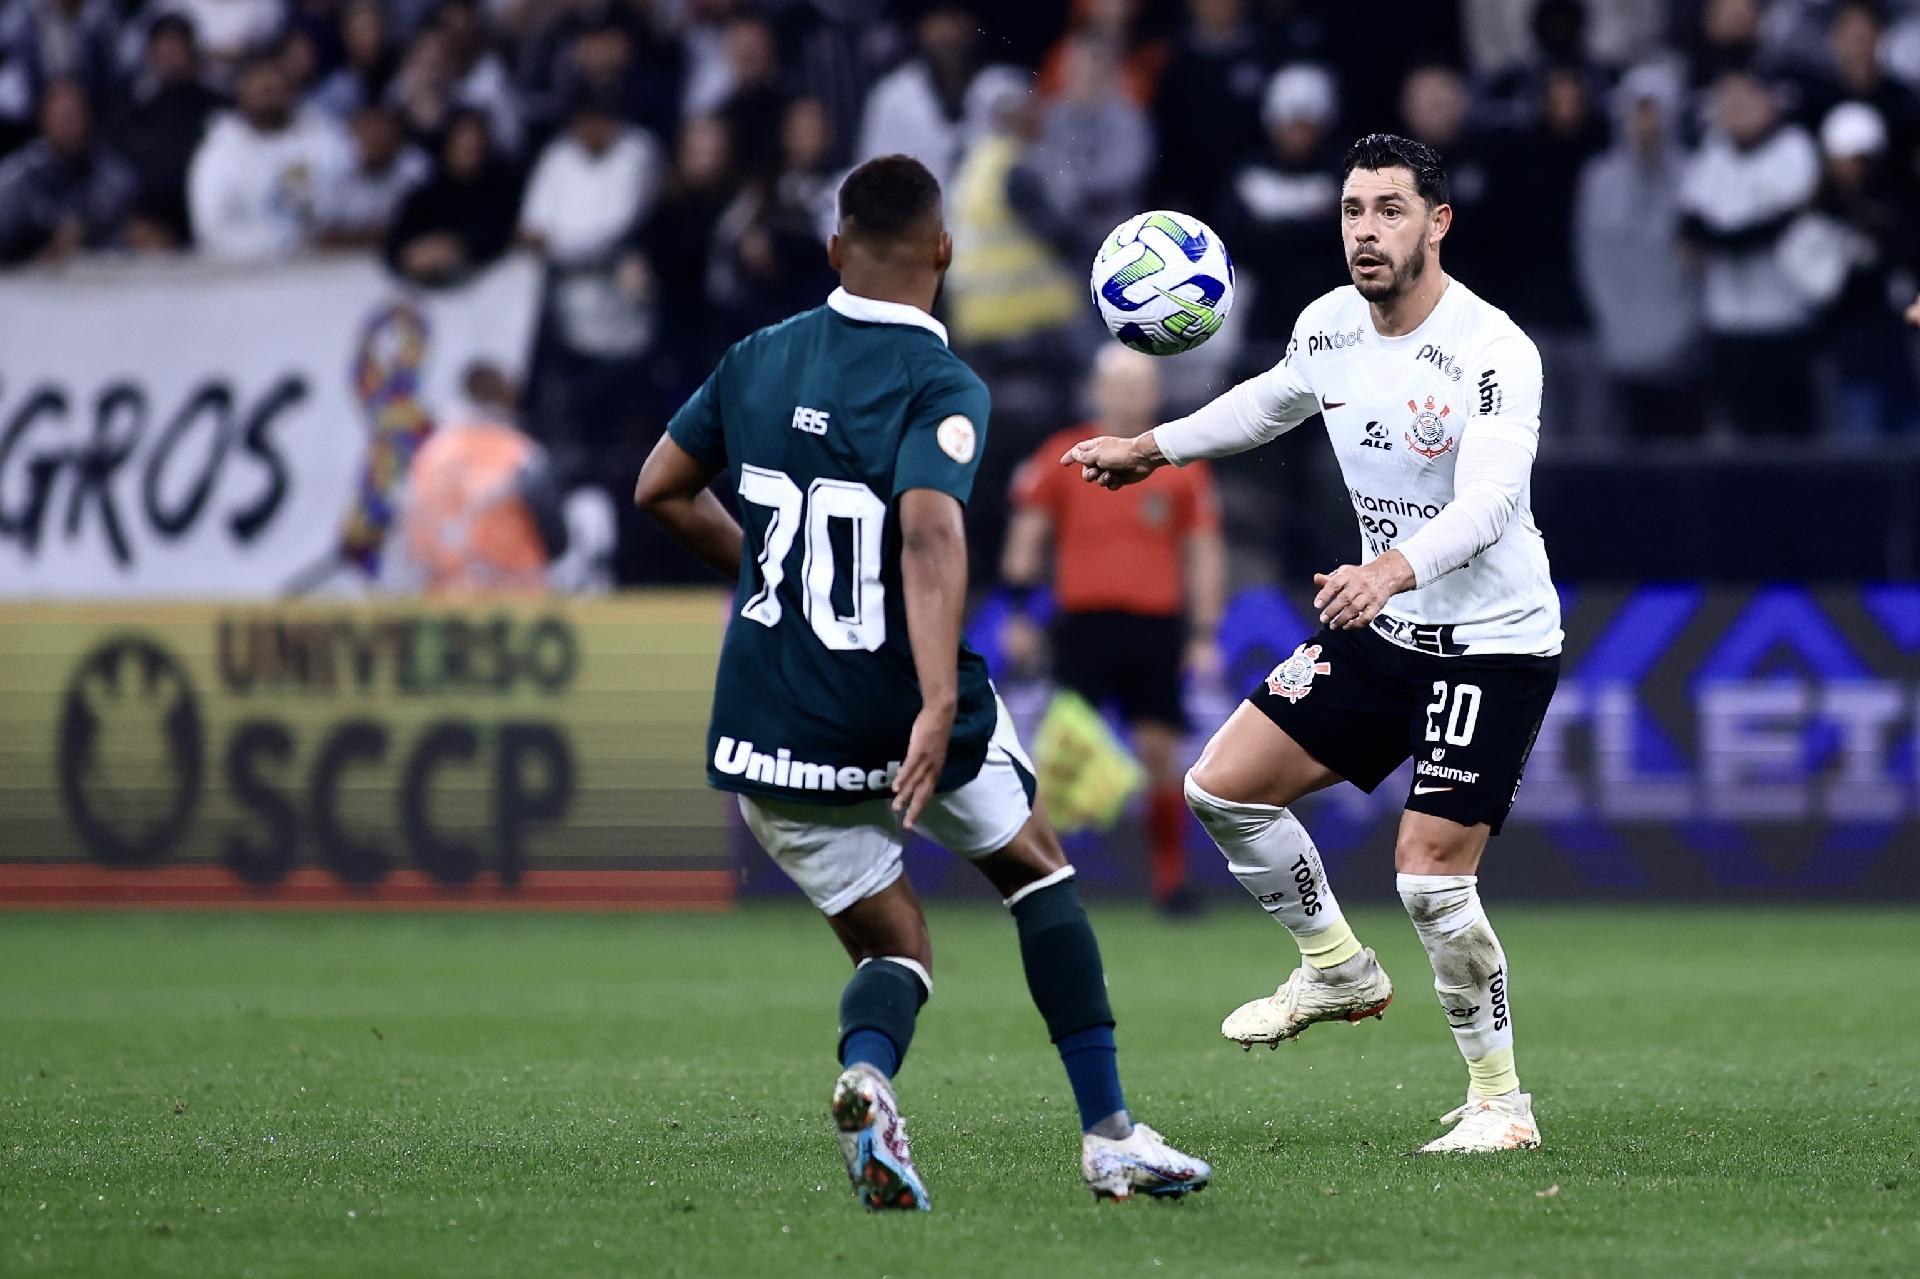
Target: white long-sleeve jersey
[{"x": 1435, "y": 431}]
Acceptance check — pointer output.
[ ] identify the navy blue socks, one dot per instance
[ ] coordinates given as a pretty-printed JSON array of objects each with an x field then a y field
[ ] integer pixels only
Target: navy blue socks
[
  {"x": 877, "y": 1013},
  {"x": 1069, "y": 987}
]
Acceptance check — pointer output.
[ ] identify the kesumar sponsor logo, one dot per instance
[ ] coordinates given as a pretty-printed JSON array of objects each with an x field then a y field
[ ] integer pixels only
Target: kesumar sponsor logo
[
  {"x": 1445, "y": 772},
  {"x": 780, "y": 768}
]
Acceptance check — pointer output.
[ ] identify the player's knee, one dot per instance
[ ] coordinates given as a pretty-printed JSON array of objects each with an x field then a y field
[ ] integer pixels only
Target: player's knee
[
  {"x": 1225, "y": 819},
  {"x": 1438, "y": 901},
  {"x": 1419, "y": 853}
]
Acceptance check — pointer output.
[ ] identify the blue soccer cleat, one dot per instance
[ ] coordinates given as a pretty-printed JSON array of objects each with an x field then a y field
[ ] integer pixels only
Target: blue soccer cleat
[{"x": 873, "y": 1138}]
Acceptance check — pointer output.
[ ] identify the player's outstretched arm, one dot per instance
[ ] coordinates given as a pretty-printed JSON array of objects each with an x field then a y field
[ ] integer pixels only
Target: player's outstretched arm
[
  {"x": 673, "y": 490},
  {"x": 933, "y": 575}
]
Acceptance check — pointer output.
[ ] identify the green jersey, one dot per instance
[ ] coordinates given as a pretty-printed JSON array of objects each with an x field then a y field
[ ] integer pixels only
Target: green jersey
[{"x": 824, "y": 421}]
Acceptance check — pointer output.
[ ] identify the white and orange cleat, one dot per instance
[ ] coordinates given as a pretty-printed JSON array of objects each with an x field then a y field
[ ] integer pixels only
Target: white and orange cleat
[
  {"x": 1488, "y": 1123},
  {"x": 873, "y": 1139},
  {"x": 1307, "y": 997}
]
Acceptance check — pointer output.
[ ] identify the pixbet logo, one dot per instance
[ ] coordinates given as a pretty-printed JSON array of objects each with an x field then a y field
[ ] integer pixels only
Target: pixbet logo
[
  {"x": 1318, "y": 342},
  {"x": 1440, "y": 360}
]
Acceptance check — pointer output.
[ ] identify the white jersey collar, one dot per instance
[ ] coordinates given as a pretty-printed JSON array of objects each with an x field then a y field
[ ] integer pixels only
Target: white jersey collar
[{"x": 874, "y": 311}]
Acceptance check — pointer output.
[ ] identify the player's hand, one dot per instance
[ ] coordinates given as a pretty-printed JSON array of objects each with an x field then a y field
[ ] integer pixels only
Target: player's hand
[
  {"x": 1113, "y": 461},
  {"x": 920, "y": 770},
  {"x": 1913, "y": 313},
  {"x": 1352, "y": 595}
]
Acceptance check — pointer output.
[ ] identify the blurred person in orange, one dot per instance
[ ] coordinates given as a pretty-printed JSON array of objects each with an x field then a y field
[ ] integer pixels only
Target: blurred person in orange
[
  {"x": 482, "y": 514},
  {"x": 1139, "y": 585}
]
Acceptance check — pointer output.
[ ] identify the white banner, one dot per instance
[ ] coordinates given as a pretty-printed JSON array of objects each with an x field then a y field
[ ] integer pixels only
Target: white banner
[{"x": 188, "y": 429}]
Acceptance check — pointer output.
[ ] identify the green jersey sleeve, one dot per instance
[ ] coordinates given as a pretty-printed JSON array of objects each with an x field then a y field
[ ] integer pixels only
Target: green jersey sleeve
[
  {"x": 697, "y": 427},
  {"x": 946, "y": 433}
]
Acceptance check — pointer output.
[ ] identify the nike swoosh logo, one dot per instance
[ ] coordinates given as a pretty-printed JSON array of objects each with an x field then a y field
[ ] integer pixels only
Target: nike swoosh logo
[
  {"x": 1418, "y": 789},
  {"x": 1325, "y": 403}
]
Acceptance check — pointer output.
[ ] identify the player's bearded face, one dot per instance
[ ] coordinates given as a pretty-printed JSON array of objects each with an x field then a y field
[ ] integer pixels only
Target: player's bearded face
[{"x": 1385, "y": 225}]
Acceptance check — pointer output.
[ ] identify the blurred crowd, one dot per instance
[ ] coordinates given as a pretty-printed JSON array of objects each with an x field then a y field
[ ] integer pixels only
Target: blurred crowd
[{"x": 1706, "y": 212}]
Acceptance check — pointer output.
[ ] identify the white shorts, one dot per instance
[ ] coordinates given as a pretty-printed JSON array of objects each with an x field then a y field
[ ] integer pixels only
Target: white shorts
[{"x": 842, "y": 854}]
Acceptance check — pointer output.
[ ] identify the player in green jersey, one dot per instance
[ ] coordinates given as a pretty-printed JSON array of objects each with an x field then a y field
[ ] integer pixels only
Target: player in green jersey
[{"x": 847, "y": 711}]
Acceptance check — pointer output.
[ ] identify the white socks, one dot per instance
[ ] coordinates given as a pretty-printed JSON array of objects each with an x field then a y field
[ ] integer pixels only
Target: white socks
[
  {"x": 1469, "y": 974},
  {"x": 1273, "y": 857}
]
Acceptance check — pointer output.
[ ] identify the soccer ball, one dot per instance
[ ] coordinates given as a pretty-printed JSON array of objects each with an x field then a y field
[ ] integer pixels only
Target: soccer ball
[{"x": 1163, "y": 282}]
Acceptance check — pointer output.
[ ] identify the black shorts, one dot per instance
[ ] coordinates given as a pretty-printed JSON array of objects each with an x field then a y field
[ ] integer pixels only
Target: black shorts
[
  {"x": 1127, "y": 658},
  {"x": 1361, "y": 704}
]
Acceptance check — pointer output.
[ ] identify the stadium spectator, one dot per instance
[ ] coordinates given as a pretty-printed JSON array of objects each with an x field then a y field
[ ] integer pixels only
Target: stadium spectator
[
  {"x": 678, "y": 244},
  {"x": 1141, "y": 53},
  {"x": 448, "y": 69},
  {"x": 1009, "y": 294},
  {"x": 160, "y": 128},
  {"x": 1503, "y": 37},
  {"x": 42, "y": 41},
  {"x": 1209, "y": 100},
  {"x": 1642, "y": 290},
  {"x": 1276, "y": 213},
  {"x": 1139, "y": 582},
  {"x": 809, "y": 181},
  {"x": 770, "y": 258},
  {"x": 1862, "y": 336},
  {"x": 609, "y": 52},
  {"x": 300, "y": 59},
  {"x": 757, "y": 101},
  {"x": 1543, "y": 159},
  {"x": 1727, "y": 41},
  {"x": 255, "y": 183},
  {"x": 230, "y": 31},
  {"x": 934, "y": 104},
  {"x": 463, "y": 217},
  {"x": 592, "y": 186},
  {"x": 1095, "y": 147},
  {"x": 358, "y": 208},
  {"x": 1434, "y": 106},
  {"x": 703, "y": 35},
  {"x": 1853, "y": 73},
  {"x": 1743, "y": 190},
  {"x": 371, "y": 61},
  {"x": 63, "y": 192}
]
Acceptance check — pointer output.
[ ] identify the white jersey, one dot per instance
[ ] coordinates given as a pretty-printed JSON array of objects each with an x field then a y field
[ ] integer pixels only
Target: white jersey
[{"x": 1398, "y": 410}]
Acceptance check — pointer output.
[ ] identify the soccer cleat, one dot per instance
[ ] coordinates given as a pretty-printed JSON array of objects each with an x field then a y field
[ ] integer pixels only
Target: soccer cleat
[
  {"x": 1142, "y": 1160},
  {"x": 1304, "y": 999},
  {"x": 873, "y": 1138},
  {"x": 1488, "y": 1123}
]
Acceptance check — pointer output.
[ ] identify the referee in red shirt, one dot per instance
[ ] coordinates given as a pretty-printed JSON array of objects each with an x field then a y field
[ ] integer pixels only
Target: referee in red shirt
[{"x": 1139, "y": 580}]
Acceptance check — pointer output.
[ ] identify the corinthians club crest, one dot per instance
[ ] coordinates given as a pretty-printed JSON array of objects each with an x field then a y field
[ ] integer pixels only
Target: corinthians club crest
[
  {"x": 1428, "y": 435},
  {"x": 1293, "y": 678}
]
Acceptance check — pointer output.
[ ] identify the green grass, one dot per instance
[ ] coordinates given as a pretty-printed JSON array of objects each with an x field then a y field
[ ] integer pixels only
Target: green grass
[{"x": 1721, "y": 1093}]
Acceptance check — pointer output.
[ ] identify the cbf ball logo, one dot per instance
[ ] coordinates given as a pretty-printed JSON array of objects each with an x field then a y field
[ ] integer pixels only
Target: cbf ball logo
[
  {"x": 1293, "y": 678},
  {"x": 1428, "y": 435},
  {"x": 131, "y": 751}
]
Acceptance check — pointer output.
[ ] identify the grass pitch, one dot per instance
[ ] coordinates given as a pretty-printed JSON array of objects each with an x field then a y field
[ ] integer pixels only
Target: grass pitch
[{"x": 1721, "y": 1093}]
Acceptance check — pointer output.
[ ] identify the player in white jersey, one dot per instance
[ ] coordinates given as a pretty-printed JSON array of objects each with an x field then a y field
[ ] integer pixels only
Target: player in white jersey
[{"x": 1442, "y": 643}]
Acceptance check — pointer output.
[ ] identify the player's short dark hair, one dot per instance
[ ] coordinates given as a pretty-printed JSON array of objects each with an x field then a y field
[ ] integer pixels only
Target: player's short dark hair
[
  {"x": 1379, "y": 151},
  {"x": 887, "y": 197}
]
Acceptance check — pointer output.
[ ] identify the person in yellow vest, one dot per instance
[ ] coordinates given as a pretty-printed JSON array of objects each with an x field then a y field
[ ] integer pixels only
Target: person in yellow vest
[
  {"x": 1008, "y": 283},
  {"x": 481, "y": 514}
]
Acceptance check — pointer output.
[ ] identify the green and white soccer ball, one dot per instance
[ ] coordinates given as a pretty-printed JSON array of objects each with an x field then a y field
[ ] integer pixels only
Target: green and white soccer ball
[{"x": 1163, "y": 282}]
